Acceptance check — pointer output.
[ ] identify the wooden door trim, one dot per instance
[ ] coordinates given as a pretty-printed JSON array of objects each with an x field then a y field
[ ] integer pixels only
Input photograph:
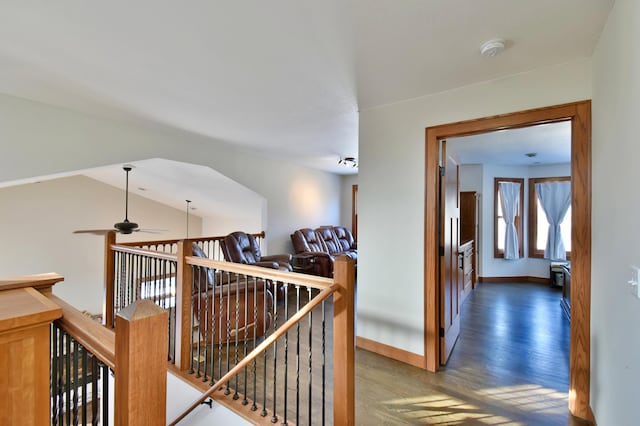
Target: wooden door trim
[
  {"x": 580, "y": 115},
  {"x": 354, "y": 211}
]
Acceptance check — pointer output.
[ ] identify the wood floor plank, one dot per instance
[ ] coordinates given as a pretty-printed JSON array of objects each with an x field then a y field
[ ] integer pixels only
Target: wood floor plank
[{"x": 510, "y": 366}]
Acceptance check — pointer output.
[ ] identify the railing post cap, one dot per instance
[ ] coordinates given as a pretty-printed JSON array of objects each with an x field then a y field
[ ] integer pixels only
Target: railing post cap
[{"x": 140, "y": 309}]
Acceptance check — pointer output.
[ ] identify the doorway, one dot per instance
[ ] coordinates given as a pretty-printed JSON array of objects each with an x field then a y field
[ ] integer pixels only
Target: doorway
[{"x": 580, "y": 115}]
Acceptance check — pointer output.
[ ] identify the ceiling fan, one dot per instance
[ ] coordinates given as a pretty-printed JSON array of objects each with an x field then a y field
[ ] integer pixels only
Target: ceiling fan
[{"x": 124, "y": 227}]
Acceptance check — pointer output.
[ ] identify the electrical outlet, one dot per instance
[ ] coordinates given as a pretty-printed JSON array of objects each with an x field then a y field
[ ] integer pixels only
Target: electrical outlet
[{"x": 635, "y": 281}]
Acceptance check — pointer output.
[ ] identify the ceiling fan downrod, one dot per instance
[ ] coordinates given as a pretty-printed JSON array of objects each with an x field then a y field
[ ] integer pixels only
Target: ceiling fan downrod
[{"x": 126, "y": 227}]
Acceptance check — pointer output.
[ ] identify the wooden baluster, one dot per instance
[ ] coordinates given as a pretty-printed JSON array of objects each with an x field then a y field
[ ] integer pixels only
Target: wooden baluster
[
  {"x": 183, "y": 306},
  {"x": 141, "y": 364},
  {"x": 109, "y": 279},
  {"x": 344, "y": 342}
]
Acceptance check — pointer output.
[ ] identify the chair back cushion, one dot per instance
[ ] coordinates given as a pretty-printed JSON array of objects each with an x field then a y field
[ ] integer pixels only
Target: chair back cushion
[
  {"x": 241, "y": 248},
  {"x": 306, "y": 239},
  {"x": 345, "y": 238},
  {"x": 326, "y": 235}
]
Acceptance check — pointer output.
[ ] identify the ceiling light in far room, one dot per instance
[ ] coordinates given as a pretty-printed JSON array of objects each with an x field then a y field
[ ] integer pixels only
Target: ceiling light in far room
[
  {"x": 492, "y": 48},
  {"x": 348, "y": 161}
]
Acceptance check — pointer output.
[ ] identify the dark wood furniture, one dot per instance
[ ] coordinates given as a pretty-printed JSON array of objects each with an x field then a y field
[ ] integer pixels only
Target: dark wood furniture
[
  {"x": 469, "y": 225},
  {"x": 466, "y": 252},
  {"x": 565, "y": 302}
]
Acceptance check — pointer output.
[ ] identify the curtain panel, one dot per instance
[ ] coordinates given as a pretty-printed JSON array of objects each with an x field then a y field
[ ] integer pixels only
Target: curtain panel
[
  {"x": 510, "y": 198},
  {"x": 555, "y": 199}
]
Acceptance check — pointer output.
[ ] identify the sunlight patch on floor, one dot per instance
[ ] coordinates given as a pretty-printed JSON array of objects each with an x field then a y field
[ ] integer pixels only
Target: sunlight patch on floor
[
  {"x": 442, "y": 409},
  {"x": 532, "y": 398}
]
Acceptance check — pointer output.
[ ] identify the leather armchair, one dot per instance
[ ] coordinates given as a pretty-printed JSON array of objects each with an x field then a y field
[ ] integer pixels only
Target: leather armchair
[
  {"x": 240, "y": 247},
  {"x": 237, "y": 316}
]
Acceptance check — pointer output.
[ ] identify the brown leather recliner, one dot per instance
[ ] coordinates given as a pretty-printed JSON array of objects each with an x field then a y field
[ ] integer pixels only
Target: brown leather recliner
[
  {"x": 240, "y": 247},
  {"x": 215, "y": 296},
  {"x": 316, "y": 249},
  {"x": 312, "y": 256}
]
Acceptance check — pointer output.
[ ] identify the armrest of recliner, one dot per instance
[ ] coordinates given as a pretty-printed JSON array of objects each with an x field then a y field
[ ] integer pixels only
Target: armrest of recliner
[
  {"x": 284, "y": 258},
  {"x": 267, "y": 264},
  {"x": 314, "y": 262}
]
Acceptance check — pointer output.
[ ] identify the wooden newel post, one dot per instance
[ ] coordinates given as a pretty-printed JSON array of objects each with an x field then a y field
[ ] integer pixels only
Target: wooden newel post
[
  {"x": 141, "y": 364},
  {"x": 183, "y": 306},
  {"x": 109, "y": 279},
  {"x": 344, "y": 342}
]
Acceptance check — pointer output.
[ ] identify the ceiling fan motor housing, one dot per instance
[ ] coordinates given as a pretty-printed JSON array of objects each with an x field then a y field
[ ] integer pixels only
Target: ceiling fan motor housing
[{"x": 126, "y": 227}]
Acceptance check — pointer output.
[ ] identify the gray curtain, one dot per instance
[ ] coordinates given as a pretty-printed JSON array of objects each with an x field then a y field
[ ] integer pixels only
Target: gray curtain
[
  {"x": 510, "y": 196},
  {"x": 555, "y": 199}
]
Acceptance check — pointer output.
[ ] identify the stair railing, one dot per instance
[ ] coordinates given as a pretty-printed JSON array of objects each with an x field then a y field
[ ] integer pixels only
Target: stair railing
[
  {"x": 85, "y": 356},
  {"x": 280, "y": 344}
]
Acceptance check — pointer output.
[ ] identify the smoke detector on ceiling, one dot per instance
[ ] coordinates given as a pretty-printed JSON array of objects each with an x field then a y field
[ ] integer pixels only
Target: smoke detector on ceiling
[{"x": 492, "y": 47}]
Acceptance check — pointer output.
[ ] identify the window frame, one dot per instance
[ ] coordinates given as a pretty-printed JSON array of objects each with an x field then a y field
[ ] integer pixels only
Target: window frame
[
  {"x": 533, "y": 213},
  {"x": 499, "y": 253}
]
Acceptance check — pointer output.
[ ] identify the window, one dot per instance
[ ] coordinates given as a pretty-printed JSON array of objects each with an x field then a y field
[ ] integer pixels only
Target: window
[
  {"x": 538, "y": 225},
  {"x": 499, "y": 225}
]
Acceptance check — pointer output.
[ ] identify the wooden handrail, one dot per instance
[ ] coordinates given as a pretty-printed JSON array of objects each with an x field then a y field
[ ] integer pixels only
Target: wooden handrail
[
  {"x": 293, "y": 320},
  {"x": 144, "y": 252},
  {"x": 312, "y": 281},
  {"x": 97, "y": 339},
  {"x": 175, "y": 241},
  {"x": 36, "y": 281}
]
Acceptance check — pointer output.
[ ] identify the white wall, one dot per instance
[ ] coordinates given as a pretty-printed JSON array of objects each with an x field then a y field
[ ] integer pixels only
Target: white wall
[
  {"x": 37, "y": 222},
  {"x": 181, "y": 395},
  {"x": 42, "y": 140},
  {"x": 391, "y": 189},
  {"x": 347, "y": 182},
  {"x": 615, "y": 313},
  {"x": 525, "y": 266}
]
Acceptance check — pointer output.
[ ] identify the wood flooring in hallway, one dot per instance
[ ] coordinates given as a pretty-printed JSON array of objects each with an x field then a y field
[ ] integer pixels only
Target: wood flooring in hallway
[{"x": 510, "y": 366}]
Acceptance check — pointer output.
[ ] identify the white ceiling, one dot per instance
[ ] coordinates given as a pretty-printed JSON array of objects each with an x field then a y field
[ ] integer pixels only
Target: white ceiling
[
  {"x": 286, "y": 77},
  {"x": 211, "y": 193},
  {"x": 550, "y": 142}
]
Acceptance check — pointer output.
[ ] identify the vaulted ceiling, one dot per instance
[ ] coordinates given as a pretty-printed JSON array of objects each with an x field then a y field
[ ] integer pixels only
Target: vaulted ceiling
[{"x": 284, "y": 76}]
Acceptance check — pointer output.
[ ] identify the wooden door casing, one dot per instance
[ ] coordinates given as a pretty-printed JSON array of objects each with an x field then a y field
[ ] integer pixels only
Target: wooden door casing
[{"x": 580, "y": 115}]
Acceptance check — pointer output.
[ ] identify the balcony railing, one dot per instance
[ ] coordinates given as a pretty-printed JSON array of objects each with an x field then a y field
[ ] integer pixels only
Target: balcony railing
[{"x": 270, "y": 344}]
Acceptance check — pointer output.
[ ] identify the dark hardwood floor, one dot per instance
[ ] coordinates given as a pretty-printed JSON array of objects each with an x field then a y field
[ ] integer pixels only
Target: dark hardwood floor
[{"x": 510, "y": 366}]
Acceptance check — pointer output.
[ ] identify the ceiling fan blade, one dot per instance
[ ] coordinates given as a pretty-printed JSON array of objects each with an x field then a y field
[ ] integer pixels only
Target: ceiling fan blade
[
  {"x": 93, "y": 231},
  {"x": 151, "y": 231}
]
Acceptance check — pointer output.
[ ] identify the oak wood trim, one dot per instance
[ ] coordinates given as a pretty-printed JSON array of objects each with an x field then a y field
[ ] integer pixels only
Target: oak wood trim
[
  {"x": 580, "y": 115},
  {"x": 109, "y": 280},
  {"x": 24, "y": 368},
  {"x": 266, "y": 343},
  {"x": 25, "y": 307},
  {"x": 37, "y": 281},
  {"x": 175, "y": 241},
  {"x": 344, "y": 406},
  {"x": 591, "y": 417},
  {"x": 183, "y": 306},
  {"x": 141, "y": 364},
  {"x": 431, "y": 253},
  {"x": 580, "y": 358},
  {"x": 390, "y": 352},
  {"x": 313, "y": 281},
  {"x": 354, "y": 211},
  {"x": 144, "y": 252},
  {"x": 98, "y": 340},
  {"x": 520, "y": 279}
]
